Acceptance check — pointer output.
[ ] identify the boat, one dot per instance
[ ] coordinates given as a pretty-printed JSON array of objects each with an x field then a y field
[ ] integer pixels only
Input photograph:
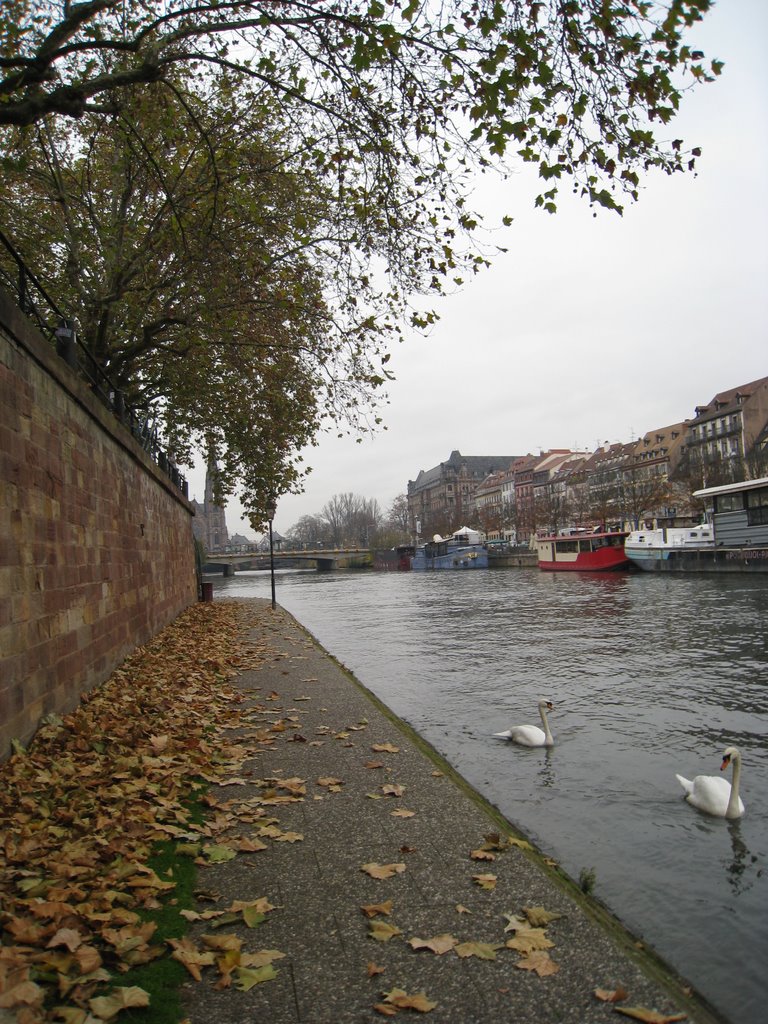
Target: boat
[
  {"x": 583, "y": 551},
  {"x": 735, "y": 539},
  {"x": 464, "y": 549},
  {"x": 394, "y": 559},
  {"x": 667, "y": 544}
]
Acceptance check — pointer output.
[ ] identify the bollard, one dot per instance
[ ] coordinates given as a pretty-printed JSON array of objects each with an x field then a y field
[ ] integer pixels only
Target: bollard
[{"x": 207, "y": 591}]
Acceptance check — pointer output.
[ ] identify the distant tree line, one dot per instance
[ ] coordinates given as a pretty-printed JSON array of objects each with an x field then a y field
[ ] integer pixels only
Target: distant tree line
[{"x": 350, "y": 520}]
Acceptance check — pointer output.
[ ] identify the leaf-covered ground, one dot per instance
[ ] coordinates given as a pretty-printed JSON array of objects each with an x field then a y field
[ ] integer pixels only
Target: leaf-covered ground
[{"x": 84, "y": 808}]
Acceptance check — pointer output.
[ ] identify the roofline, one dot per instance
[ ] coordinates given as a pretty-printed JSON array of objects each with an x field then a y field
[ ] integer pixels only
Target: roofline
[{"x": 745, "y": 485}]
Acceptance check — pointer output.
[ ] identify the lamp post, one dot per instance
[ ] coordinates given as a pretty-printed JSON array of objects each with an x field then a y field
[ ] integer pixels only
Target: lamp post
[{"x": 271, "y": 509}]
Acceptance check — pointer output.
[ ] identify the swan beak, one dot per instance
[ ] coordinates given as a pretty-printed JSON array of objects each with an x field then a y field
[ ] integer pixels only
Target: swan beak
[{"x": 726, "y": 762}]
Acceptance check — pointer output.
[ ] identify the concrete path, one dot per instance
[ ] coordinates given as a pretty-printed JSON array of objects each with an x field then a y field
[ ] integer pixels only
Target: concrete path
[{"x": 328, "y": 781}]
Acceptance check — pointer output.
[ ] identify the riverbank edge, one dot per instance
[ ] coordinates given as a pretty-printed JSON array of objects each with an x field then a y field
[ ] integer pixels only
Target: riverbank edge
[{"x": 638, "y": 950}]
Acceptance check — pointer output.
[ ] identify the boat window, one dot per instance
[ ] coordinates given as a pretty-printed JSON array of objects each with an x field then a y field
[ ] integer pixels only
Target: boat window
[
  {"x": 730, "y": 502},
  {"x": 567, "y": 545},
  {"x": 758, "y": 498}
]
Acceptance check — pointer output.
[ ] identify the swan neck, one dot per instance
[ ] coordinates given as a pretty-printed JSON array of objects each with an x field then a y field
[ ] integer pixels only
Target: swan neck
[
  {"x": 733, "y": 801},
  {"x": 545, "y": 723}
]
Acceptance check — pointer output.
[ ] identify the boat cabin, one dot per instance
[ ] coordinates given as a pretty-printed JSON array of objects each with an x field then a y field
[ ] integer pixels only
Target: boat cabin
[{"x": 739, "y": 513}]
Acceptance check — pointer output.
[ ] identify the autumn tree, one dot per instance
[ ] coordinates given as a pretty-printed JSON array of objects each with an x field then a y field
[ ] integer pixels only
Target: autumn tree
[{"x": 288, "y": 177}]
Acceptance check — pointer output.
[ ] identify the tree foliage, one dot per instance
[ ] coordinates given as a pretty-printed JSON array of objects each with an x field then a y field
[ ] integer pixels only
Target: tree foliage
[{"x": 239, "y": 201}]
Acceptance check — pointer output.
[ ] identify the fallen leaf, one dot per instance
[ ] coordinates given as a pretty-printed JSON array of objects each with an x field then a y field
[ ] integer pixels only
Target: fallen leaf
[
  {"x": 373, "y": 969},
  {"x": 382, "y": 931},
  {"x": 187, "y": 954},
  {"x": 438, "y": 944},
  {"x": 106, "y": 1007},
  {"x": 538, "y": 917},
  {"x": 373, "y": 909},
  {"x": 539, "y": 962},
  {"x": 528, "y": 939},
  {"x": 387, "y": 748},
  {"x": 330, "y": 782},
  {"x": 401, "y": 812},
  {"x": 461, "y": 909},
  {"x": 397, "y": 997},
  {"x": 373, "y": 764},
  {"x": 482, "y": 855},
  {"x": 611, "y": 996},
  {"x": 248, "y": 977},
  {"x": 485, "y": 881},
  {"x": 391, "y": 789},
  {"x": 482, "y": 950},
  {"x": 382, "y": 870}
]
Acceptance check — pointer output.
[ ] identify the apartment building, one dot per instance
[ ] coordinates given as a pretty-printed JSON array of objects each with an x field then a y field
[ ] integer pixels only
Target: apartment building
[
  {"x": 731, "y": 428},
  {"x": 442, "y": 499}
]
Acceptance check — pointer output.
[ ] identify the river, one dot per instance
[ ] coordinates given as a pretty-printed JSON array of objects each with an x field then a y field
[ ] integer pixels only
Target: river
[{"x": 650, "y": 676}]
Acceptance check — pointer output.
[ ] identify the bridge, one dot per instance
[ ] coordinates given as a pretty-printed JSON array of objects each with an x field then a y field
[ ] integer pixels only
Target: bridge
[{"x": 323, "y": 559}]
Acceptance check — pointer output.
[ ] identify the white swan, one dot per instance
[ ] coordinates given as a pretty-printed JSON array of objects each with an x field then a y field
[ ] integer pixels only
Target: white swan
[
  {"x": 712, "y": 793},
  {"x": 531, "y": 735}
]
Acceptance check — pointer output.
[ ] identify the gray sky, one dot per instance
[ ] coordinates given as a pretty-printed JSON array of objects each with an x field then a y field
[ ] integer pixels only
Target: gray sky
[{"x": 588, "y": 329}]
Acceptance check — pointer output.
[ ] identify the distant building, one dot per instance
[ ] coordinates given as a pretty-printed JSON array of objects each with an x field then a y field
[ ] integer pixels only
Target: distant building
[
  {"x": 209, "y": 524},
  {"x": 442, "y": 498},
  {"x": 727, "y": 432}
]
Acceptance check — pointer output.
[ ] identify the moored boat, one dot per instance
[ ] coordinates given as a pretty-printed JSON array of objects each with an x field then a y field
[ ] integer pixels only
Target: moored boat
[
  {"x": 736, "y": 540},
  {"x": 464, "y": 549},
  {"x": 598, "y": 551},
  {"x": 394, "y": 559}
]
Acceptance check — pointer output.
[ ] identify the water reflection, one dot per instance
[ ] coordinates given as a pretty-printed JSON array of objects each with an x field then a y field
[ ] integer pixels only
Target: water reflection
[{"x": 649, "y": 676}]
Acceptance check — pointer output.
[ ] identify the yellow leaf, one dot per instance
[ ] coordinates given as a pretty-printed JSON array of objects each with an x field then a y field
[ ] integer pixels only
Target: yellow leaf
[
  {"x": 539, "y": 962},
  {"x": 187, "y": 954},
  {"x": 401, "y": 812},
  {"x": 382, "y": 931},
  {"x": 247, "y": 977},
  {"x": 261, "y": 958},
  {"x": 528, "y": 939},
  {"x": 611, "y": 995},
  {"x": 482, "y": 950},
  {"x": 373, "y": 909},
  {"x": 485, "y": 881},
  {"x": 26, "y": 993},
  {"x": 106, "y": 1007},
  {"x": 439, "y": 944},
  {"x": 66, "y": 937},
  {"x": 387, "y": 748},
  {"x": 391, "y": 789},
  {"x": 538, "y": 917},
  {"x": 649, "y": 1016},
  {"x": 382, "y": 870},
  {"x": 482, "y": 855},
  {"x": 397, "y": 997}
]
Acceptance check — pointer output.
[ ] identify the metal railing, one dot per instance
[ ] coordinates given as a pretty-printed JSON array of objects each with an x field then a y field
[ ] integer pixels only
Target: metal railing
[{"x": 34, "y": 301}]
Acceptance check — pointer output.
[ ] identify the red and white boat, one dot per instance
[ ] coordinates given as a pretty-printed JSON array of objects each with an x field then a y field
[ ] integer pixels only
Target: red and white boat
[{"x": 583, "y": 551}]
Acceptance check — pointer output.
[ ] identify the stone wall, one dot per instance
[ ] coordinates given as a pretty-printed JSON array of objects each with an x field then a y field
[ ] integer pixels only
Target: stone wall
[{"x": 96, "y": 547}]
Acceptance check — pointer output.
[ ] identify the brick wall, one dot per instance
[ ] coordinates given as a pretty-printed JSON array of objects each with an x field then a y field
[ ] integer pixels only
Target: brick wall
[{"x": 96, "y": 548}]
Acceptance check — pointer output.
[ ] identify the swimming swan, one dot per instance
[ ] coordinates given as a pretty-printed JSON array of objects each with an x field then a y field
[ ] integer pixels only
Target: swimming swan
[
  {"x": 712, "y": 793},
  {"x": 531, "y": 735}
]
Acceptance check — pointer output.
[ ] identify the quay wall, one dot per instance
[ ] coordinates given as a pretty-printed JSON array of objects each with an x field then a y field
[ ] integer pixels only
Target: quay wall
[{"x": 96, "y": 545}]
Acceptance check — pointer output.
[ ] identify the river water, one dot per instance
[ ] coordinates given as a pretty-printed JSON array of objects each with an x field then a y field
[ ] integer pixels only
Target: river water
[{"x": 650, "y": 676}]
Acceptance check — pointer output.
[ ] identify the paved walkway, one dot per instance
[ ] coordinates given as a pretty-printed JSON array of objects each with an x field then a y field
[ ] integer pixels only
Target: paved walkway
[{"x": 330, "y": 784}]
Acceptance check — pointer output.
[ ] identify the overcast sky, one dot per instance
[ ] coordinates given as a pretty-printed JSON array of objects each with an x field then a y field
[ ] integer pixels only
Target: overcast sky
[{"x": 589, "y": 330}]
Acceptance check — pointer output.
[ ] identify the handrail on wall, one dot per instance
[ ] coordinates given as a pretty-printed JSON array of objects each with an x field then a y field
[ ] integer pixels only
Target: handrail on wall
[{"x": 34, "y": 302}]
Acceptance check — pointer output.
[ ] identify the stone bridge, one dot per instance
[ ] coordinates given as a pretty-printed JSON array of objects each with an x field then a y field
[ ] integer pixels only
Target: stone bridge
[{"x": 323, "y": 559}]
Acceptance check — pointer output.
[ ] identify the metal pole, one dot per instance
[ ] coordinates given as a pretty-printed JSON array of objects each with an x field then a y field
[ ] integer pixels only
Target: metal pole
[{"x": 272, "y": 564}]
